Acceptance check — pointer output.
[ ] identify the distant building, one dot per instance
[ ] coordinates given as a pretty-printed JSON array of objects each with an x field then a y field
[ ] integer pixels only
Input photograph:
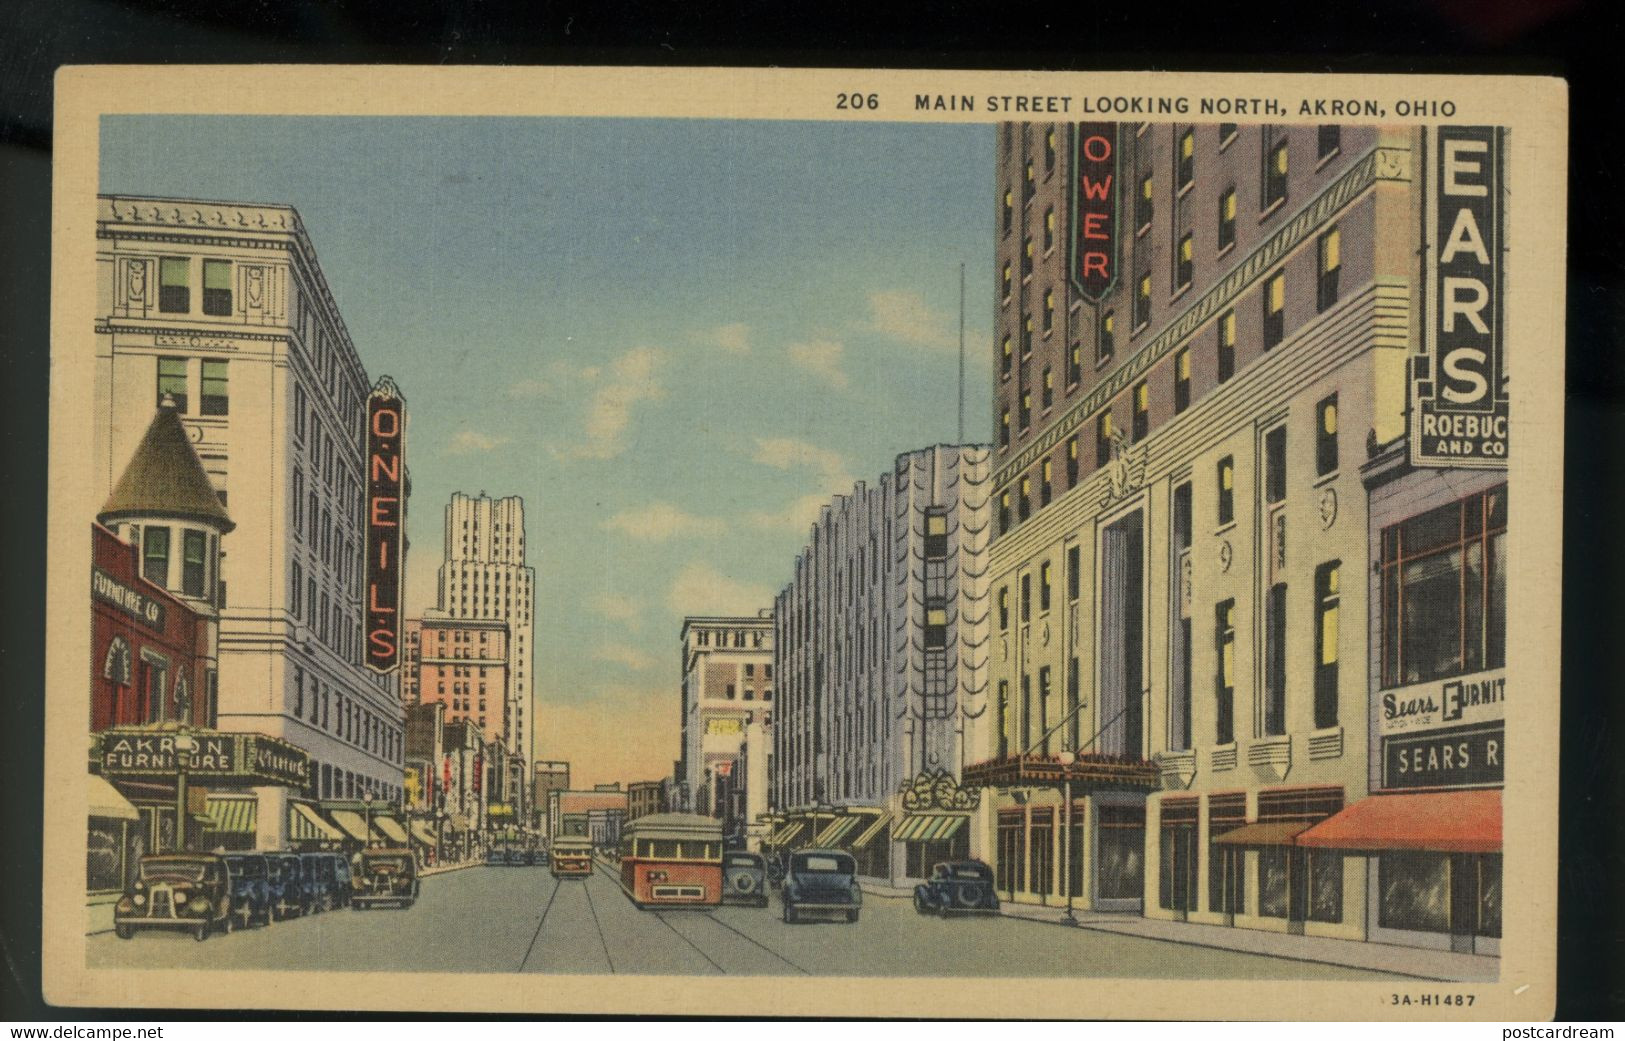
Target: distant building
[
  {"x": 727, "y": 695},
  {"x": 547, "y": 776},
  {"x": 882, "y": 656},
  {"x": 464, "y": 664},
  {"x": 570, "y": 812},
  {"x": 644, "y": 798}
]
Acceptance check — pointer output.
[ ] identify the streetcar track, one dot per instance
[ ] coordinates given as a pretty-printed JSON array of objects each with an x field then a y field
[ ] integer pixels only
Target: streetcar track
[
  {"x": 596, "y": 924},
  {"x": 748, "y": 939},
  {"x": 538, "y": 933},
  {"x": 698, "y": 950}
]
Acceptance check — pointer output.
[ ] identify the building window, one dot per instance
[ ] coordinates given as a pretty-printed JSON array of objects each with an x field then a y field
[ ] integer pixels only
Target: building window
[
  {"x": 1006, "y": 357},
  {"x": 1275, "y": 310},
  {"x": 1007, "y": 280},
  {"x": 1225, "y": 677},
  {"x": 1179, "y": 709},
  {"x": 174, "y": 285},
  {"x": 298, "y": 584},
  {"x": 1004, "y": 429},
  {"x": 1142, "y": 411},
  {"x": 1049, "y": 388},
  {"x": 1227, "y": 133},
  {"x": 1004, "y": 608},
  {"x": 1186, "y": 264},
  {"x": 1227, "y": 219},
  {"x": 1275, "y": 174},
  {"x": 1049, "y": 229},
  {"x": 1143, "y": 210},
  {"x": 1026, "y": 339},
  {"x": 1444, "y": 591},
  {"x": 1026, "y": 598},
  {"x": 1049, "y": 149},
  {"x": 217, "y": 287},
  {"x": 1142, "y": 301},
  {"x": 1044, "y": 483},
  {"x": 298, "y": 502},
  {"x": 1227, "y": 490},
  {"x": 193, "y": 571},
  {"x": 155, "y": 681},
  {"x": 1023, "y": 503},
  {"x": 1272, "y": 881},
  {"x": 1275, "y": 465},
  {"x": 1107, "y": 342},
  {"x": 1074, "y": 364},
  {"x": 1009, "y": 210},
  {"x": 1182, "y": 380},
  {"x": 1004, "y": 511},
  {"x": 155, "y": 554},
  {"x": 1043, "y": 709},
  {"x": 1026, "y": 417},
  {"x": 1072, "y": 461},
  {"x": 1027, "y": 256},
  {"x": 1331, "y": 263},
  {"x": 936, "y": 626},
  {"x": 1043, "y": 587},
  {"x": 172, "y": 382},
  {"x": 1328, "y": 140},
  {"x": 1275, "y": 661},
  {"x": 1049, "y": 310},
  {"x": 1414, "y": 891},
  {"x": 1004, "y": 719},
  {"x": 1027, "y": 720},
  {"x": 1030, "y": 186},
  {"x": 1104, "y": 430},
  {"x": 1326, "y": 436},
  {"x": 1327, "y": 581},
  {"x": 1187, "y": 158},
  {"x": 1227, "y": 345},
  {"x": 214, "y": 400}
]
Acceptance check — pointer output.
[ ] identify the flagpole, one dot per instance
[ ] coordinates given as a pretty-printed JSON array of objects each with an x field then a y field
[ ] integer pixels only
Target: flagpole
[{"x": 961, "y": 352}]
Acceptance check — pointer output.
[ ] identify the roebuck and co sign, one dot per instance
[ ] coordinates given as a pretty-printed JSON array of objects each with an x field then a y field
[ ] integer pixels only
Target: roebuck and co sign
[{"x": 1459, "y": 384}]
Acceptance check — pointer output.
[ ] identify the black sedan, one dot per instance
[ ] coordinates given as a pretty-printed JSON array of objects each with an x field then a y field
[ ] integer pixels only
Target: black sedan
[{"x": 957, "y": 887}]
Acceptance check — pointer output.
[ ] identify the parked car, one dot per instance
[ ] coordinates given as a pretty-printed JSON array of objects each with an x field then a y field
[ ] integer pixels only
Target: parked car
[
  {"x": 285, "y": 882},
  {"x": 321, "y": 881},
  {"x": 957, "y": 887},
  {"x": 190, "y": 891},
  {"x": 821, "y": 881},
  {"x": 744, "y": 879},
  {"x": 539, "y": 857},
  {"x": 250, "y": 888},
  {"x": 341, "y": 879},
  {"x": 384, "y": 876}
]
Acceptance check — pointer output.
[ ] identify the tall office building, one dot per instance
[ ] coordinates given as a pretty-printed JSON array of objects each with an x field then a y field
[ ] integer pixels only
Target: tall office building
[
  {"x": 484, "y": 577},
  {"x": 222, "y": 309},
  {"x": 726, "y": 708}
]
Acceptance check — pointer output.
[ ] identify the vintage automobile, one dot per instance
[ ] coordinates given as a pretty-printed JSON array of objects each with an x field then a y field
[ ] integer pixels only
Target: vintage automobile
[
  {"x": 821, "y": 881},
  {"x": 957, "y": 887},
  {"x": 250, "y": 888},
  {"x": 326, "y": 881},
  {"x": 285, "y": 881},
  {"x": 744, "y": 879},
  {"x": 341, "y": 879},
  {"x": 571, "y": 857},
  {"x": 384, "y": 876},
  {"x": 190, "y": 891}
]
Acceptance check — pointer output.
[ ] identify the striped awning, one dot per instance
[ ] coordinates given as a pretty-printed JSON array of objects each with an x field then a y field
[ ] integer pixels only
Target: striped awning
[
  {"x": 837, "y": 830},
  {"x": 423, "y": 833},
  {"x": 305, "y": 824},
  {"x": 233, "y": 816},
  {"x": 929, "y": 827},
  {"x": 351, "y": 822},
  {"x": 105, "y": 801},
  {"x": 390, "y": 829},
  {"x": 787, "y": 833},
  {"x": 868, "y": 835}
]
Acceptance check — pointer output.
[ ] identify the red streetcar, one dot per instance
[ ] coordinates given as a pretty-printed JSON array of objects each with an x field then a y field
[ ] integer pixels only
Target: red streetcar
[
  {"x": 672, "y": 859},
  {"x": 571, "y": 857}
]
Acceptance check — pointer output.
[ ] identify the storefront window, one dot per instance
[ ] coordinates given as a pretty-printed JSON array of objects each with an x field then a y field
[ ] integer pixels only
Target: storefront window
[
  {"x": 1414, "y": 890},
  {"x": 1489, "y": 895},
  {"x": 1122, "y": 852},
  {"x": 1272, "y": 881},
  {"x": 1444, "y": 591},
  {"x": 1325, "y": 886},
  {"x": 106, "y": 855}
]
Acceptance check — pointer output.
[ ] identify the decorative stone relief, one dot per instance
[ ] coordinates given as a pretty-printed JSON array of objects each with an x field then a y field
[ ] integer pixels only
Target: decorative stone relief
[
  {"x": 1328, "y": 507},
  {"x": 1225, "y": 554}
]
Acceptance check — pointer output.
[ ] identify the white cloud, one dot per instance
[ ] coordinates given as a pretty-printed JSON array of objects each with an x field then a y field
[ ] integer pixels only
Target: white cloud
[
  {"x": 662, "y": 521},
  {"x": 470, "y": 441},
  {"x": 733, "y": 337},
  {"x": 617, "y": 608},
  {"x": 701, "y": 589},
  {"x": 621, "y": 654},
  {"x": 796, "y": 518},
  {"x": 787, "y": 453},
  {"x": 632, "y": 379},
  {"x": 822, "y": 358},
  {"x": 904, "y": 316}
]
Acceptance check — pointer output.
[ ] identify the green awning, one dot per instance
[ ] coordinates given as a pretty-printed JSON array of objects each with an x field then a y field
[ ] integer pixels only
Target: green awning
[
  {"x": 788, "y": 832},
  {"x": 233, "y": 816},
  {"x": 871, "y": 831},
  {"x": 836, "y": 831},
  {"x": 929, "y": 827},
  {"x": 390, "y": 829},
  {"x": 351, "y": 823},
  {"x": 305, "y": 825},
  {"x": 423, "y": 833}
]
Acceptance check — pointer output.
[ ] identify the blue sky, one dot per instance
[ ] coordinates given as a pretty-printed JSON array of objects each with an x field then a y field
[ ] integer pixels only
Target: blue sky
[{"x": 673, "y": 338}]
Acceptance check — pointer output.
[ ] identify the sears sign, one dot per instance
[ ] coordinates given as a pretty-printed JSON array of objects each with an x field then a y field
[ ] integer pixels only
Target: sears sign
[{"x": 1459, "y": 384}]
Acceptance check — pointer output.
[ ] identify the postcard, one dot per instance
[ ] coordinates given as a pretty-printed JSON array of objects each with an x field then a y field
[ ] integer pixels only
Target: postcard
[{"x": 805, "y": 542}]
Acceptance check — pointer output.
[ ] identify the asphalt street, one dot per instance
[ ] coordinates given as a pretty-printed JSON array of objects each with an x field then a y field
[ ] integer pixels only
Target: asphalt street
[{"x": 521, "y": 919}]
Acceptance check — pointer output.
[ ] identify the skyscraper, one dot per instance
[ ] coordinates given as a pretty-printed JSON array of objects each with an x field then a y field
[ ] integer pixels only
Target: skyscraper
[{"x": 484, "y": 577}]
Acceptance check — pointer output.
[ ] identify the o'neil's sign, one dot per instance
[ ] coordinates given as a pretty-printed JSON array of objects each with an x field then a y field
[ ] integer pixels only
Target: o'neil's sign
[
  {"x": 1459, "y": 383},
  {"x": 386, "y": 524},
  {"x": 1094, "y": 209}
]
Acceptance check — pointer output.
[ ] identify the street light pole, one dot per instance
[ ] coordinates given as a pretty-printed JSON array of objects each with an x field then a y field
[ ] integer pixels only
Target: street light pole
[
  {"x": 184, "y": 744},
  {"x": 1067, "y": 758},
  {"x": 366, "y": 806}
]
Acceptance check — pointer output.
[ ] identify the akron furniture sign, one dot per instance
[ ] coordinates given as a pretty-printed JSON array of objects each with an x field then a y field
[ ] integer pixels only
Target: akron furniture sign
[
  {"x": 227, "y": 760},
  {"x": 386, "y": 523},
  {"x": 1459, "y": 383}
]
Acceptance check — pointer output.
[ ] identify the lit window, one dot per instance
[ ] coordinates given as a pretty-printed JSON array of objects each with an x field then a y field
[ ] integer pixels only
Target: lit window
[
  {"x": 1326, "y": 436},
  {"x": 1227, "y": 345},
  {"x": 1275, "y": 175},
  {"x": 1182, "y": 380},
  {"x": 1187, "y": 264},
  {"x": 1227, "y": 490},
  {"x": 1275, "y": 310},
  {"x": 1108, "y": 337},
  {"x": 1331, "y": 263},
  {"x": 1142, "y": 411},
  {"x": 1142, "y": 301},
  {"x": 1143, "y": 204},
  {"x": 1187, "y": 157},
  {"x": 1227, "y": 218}
]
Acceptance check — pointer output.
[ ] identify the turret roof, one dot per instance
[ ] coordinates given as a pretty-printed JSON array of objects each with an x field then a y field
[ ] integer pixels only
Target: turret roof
[{"x": 165, "y": 478}]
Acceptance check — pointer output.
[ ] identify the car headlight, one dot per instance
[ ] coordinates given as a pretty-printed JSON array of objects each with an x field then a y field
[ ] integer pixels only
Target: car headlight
[
  {"x": 198, "y": 906},
  {"x": 140, "y": 884},
  {"x": 180, "y": 898},
  {"x": 140, "y": 898}
]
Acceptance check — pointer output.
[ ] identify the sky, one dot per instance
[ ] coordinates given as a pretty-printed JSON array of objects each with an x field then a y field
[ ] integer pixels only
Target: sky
[{"x": 675, "y": 339}]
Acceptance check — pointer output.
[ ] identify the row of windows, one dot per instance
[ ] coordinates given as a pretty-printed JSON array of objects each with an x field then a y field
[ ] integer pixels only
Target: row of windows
[
  {"x": 175, "y": 279},
  {"x": 158, "y": 556},
  {"x": 703, "y": 637},
  {"x": 336, "y": 783},
  {"x": 344, "y": 717},
  {"x": 325, "y": 613}
]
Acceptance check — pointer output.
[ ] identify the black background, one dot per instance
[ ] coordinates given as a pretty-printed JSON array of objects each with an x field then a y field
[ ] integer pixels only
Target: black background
[{"x": 1577, "y": 39}]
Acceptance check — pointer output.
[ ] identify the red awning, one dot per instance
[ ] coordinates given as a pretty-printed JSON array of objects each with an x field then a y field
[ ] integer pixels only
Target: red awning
[{"x": 1446, "y": 822}]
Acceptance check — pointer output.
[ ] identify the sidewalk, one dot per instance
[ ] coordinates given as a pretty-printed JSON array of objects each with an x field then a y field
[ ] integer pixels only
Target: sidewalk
[{"x": 1354, "y": 954}]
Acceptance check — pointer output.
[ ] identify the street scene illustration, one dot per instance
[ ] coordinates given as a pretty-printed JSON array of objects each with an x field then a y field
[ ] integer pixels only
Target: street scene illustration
[{"x": 686, "y": 547}]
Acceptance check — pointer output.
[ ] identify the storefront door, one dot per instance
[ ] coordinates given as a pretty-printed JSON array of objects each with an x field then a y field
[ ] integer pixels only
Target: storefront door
[{"x": 1177, "y": 886}]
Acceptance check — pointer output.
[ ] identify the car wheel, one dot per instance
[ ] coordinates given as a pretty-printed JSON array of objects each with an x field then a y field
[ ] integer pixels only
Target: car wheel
[
  {"x": 851, "y": 916},
  {"x": 789, "y": 915},
  {"x": 123, "y": 932},
  {"x": 921, "y": 906},
  {"x": 200, "y": 931}
]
